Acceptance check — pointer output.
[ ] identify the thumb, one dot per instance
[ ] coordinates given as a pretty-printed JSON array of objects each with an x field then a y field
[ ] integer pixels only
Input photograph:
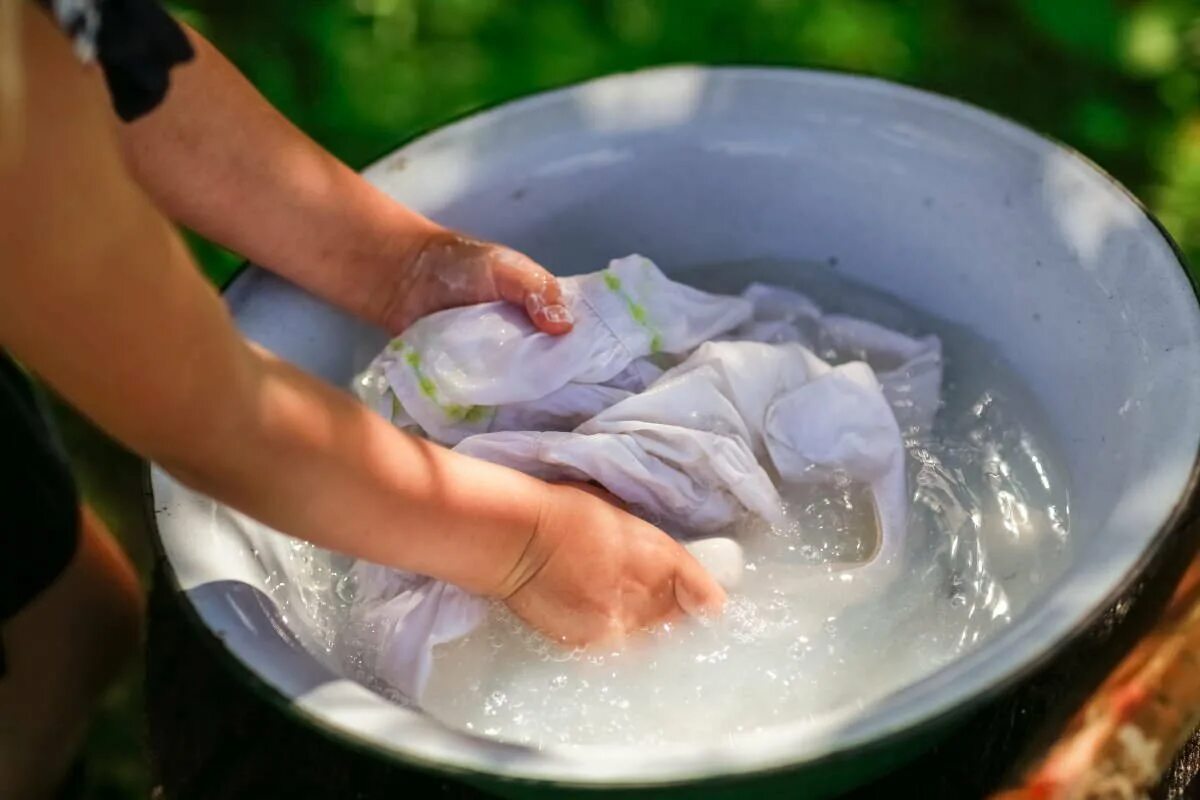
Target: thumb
[
  {"x": 696, "y": 592},
  {"x": 521, "y": 280}
]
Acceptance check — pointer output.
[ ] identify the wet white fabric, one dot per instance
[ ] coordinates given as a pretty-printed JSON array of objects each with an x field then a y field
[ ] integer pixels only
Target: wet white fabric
[
  {"x": 681, "y": 453},
  {"x": 561, "y": 410},
  {"x": 406, "y": 616},
  {"x": 779, "y": 315},
  {"x": 686, "y": 452},
  {"x": 841, "y": 421},
  {"x": 449, "y": 370},
  {"x": 693, "y": 448},
  {"x": 909, "y": 369}
]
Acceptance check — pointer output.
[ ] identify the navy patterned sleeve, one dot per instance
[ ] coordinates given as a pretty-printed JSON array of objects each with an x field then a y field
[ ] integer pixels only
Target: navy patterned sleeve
[{"x": 135, "y": 42}]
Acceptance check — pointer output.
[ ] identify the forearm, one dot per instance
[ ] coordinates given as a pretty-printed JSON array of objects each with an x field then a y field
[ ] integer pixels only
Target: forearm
[
  {"x": 353, "y": 483},
  {"x": 153, "y": 358},
  {"x": 219, "y": 159},
  {"x": 99, "y": 296}
]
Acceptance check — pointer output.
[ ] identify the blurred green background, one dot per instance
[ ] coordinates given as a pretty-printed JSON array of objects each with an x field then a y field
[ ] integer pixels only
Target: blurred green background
[
  {"x": 1120, "y": 81},
  {"x": 1117, "y": 80}
]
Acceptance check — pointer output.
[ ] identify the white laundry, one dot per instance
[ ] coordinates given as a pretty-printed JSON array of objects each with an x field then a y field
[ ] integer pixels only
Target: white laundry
[
  {"x": 779, "y": 315},
  {"x": 909, "y": 369},
  {"x": 449, "y": 370},
  {"x": 405, "y": 616},
  {"x": 686, "y": 452},
  {"x": 681, "y": 453},
  {"x": 841, "y": 421},
  {"x": 693, "y": 448},
  {"x": 561, "y": 410}
]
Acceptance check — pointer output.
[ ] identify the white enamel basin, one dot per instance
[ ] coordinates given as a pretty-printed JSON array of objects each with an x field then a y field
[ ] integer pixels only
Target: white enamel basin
[{"x": 951, "y": 209}]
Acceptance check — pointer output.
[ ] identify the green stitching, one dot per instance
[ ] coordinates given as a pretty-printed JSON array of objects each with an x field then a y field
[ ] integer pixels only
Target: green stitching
[
  {"x": 636, "y": 310},
  {"x": 477, "y": 413},
  {"x": 460, "y": 413},
  {"x": 456, "y": 412}
]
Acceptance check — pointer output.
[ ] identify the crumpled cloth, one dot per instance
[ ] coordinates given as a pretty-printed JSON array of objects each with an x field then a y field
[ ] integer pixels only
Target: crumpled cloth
[
  {"x": 691, "y": 407},
  {"x": 485, "y": 367}
]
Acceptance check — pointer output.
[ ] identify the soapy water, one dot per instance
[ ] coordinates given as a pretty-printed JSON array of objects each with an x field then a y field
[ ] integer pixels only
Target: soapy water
[{"x": 805, "y": 633}]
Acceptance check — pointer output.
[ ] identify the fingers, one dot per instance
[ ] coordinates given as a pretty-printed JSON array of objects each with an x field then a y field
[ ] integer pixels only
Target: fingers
[
  {"x": 697, "y": 592},
  {"x": 522, "y": 281}
]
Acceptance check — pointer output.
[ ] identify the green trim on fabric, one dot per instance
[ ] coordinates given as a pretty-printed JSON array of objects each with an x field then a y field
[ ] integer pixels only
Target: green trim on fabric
[
  {"x": 637, "y": 311},
  {"x": 454, "y": 411}
]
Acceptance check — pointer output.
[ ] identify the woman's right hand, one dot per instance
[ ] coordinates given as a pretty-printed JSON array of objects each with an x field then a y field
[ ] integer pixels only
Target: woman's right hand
[{"x": 594, "y": 573}]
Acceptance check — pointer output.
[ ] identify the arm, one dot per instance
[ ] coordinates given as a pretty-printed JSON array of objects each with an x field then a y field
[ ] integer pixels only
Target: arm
[
  {"x": 218, "y": 158},
  {"x": 98, "y": 295}
]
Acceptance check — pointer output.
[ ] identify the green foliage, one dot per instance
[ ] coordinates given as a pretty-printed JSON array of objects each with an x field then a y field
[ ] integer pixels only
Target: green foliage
[{"x": 1117, "y": 80}]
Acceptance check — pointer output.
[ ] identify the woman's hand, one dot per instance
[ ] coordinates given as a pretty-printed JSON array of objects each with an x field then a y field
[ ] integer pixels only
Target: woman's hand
[
  {"x": 594, "y": 573},
  {"x": 450, "y": 270},
  {"x": 217, "y": 158}
]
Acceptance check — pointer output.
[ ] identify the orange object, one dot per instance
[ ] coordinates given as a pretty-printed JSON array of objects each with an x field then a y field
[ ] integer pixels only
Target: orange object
[{"x": 1127, "y": 734}]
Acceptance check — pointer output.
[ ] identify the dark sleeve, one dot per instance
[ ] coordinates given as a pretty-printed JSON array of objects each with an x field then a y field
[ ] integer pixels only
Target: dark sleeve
[
  {"x": 136, "y": 43},
  {"x": 39, "y": 502}
]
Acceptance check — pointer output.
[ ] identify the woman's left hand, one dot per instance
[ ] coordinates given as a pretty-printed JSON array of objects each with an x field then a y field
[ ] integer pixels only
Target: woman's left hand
[{"x": 450, "y": 270}]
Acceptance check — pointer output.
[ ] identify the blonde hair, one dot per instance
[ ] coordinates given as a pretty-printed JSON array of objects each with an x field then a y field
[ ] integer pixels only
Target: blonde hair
[{"x": 12, "y": 82}]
